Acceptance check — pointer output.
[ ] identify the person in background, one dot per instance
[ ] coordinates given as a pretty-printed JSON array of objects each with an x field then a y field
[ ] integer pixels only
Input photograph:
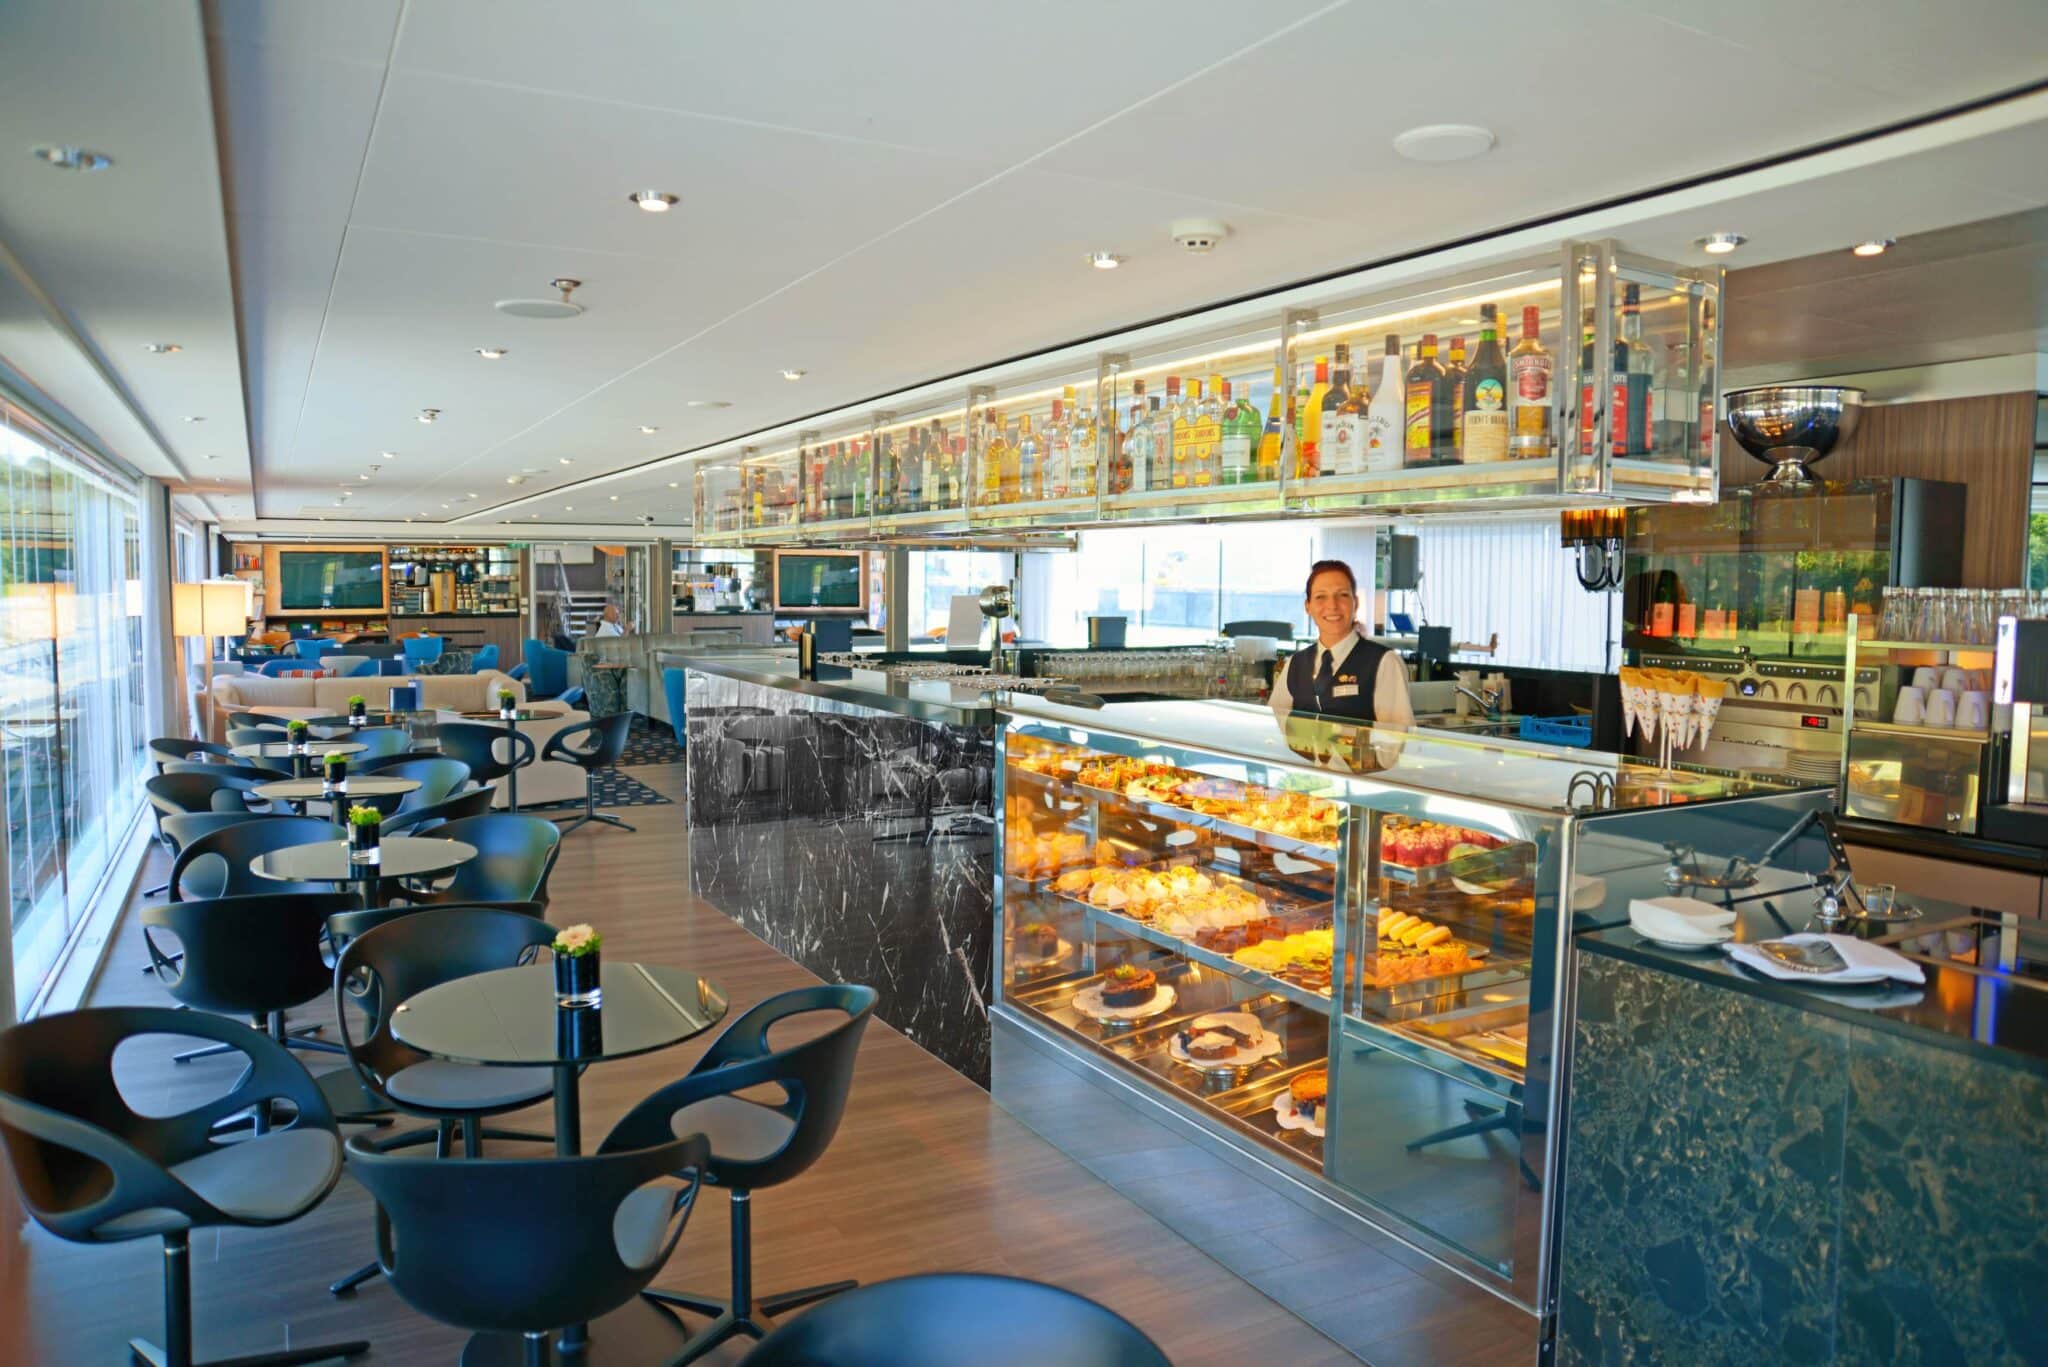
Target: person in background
[
  {"x": 1346, "y": 674},
  {"x": 608, "y": 623}
]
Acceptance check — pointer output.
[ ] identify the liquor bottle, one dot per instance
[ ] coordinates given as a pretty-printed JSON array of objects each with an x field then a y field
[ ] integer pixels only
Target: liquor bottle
[
  {"x": 814, "y": 485},
  {"x": 1343, "y": 434},
  {"x": 1529, "y": 375},
  {"x": 1162, "y": 418},
  {"x": 1308, "y": 445},
  {"x": 1708, "y": 427},
  {"x": 1454, "y": 379},
  {"x": 1058, "y": 454},
  {"x": 1588, "y": 410},
  {"x": 1030, "y": 463},
  {"x": 1083, "y": 454},
  {"x": 956, "y": 473},
  {"x": 1486, "y": 395},
  {"x": 1276, "y": 442},
  {"x": 1184, "y": 436},
  {"x": 1240, "y": 437},
  {"x": 995, "y": 451},
  {"x": 1205, "y": 460},
  {"x": 1632, "y": 374},
  {"x": 1135, "y": 455},
  {"x": 1383, "y": 415},
  {"x": 1010, "y": 464},
  {"x": 860, "y": 471},
  {"x": 1421, "y": 391}
]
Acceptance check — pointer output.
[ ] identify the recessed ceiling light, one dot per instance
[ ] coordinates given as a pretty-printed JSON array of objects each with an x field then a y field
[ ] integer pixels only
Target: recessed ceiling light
[
  {"x": 615, "y": 498},
  {"x": 491, "y": 353},
  {"x": 568, "y": 507},
  {"x": 195, "y": 419},
  {"x": 565, "y": 460},
  {"x": 389, "y": 455},
  {"x": 647, "y": 431},
  {"x": 162, "y": 348},
  {"x": 213, "y": 457},
  {"x": 793, "y": 374},
  {"x": 1104, "y": 261},
  {"x": 515, "y": 479},
  {"x": 444, "y": 505},
  {"x": 429, "y": 414},
  {"x": 73, "y": 158},
  {"x": 1444, "y": 142},
  {"x": 1720, "y": 244},
  {"x": 708, "y": 403},
  {"x": 675, "y": 484},
  {"x": 1876, "y": 246},
  {"x": 362, "y": 476},
  {"x": 652, "y": 201}
]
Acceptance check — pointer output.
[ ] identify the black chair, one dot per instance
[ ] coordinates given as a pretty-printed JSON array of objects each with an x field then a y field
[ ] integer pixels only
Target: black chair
[
  {"x": 757, "y": 1144},
  {"x": 227, "y": 852},
  {"x": 248, "y": 956},
  {"x": 931, "y": 1321},
  {"x": 438, "y": 776},
  {"x": 383, "y": 965},
  {"x": 256, "y": 733},
  {"x": 170, "y": 794},
  {"x": 425, "y": 820},
  {"x": 379, "y": 742},
  {"x": 93, "y": 1171},
  {"x": 345, "y": 925},
  {"x": 532, "y": 1246},
  {"x": 476, "y": 744},
  {"x": 229, "y": 769},
  {"x": 208, "y": 880},
  {"x": 604, "y": 741},
  {"x": 166, "y": 749},
  {"x": 515, "y": 853},
  {"x": 358, "y": 765}
]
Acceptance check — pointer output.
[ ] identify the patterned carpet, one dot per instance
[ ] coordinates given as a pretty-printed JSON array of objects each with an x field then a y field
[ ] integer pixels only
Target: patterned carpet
[{"x": 651, "y": 742}]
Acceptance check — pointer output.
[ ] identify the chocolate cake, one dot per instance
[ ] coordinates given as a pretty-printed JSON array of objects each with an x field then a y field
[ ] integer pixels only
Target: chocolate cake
[{"x": 1126, "y": 985}]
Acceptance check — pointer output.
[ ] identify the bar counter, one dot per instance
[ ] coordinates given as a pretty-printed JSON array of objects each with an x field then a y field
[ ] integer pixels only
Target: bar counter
[
  {"x": 846, "y": 820},
  {"x": 1761, "y": 1171}
]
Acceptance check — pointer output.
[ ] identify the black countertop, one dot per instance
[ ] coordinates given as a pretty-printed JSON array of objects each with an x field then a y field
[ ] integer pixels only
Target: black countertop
[
  {"x": 1967, "y": 849},
  {"x": 1998, "y": 1018},
  {"x": 923, "y": 699}
]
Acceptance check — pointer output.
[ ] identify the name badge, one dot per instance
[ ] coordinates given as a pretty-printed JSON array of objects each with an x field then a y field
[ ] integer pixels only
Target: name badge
[{"x": 1344, "y": 691}]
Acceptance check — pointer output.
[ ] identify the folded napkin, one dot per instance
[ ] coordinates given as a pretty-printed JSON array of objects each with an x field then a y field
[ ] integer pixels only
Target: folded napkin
[
  {"x": 1867, "y": 963},
  {"x": 1680, "y": 919}
]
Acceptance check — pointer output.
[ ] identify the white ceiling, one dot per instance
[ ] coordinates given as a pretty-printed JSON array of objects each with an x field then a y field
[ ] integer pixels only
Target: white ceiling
[{"x": 881, "y": 194}]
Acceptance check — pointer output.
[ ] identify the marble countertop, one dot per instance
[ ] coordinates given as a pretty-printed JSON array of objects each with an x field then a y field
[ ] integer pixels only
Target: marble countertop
[
  {"x": 1999, "y": 1018},
  {"x": 923, "y": 699}
]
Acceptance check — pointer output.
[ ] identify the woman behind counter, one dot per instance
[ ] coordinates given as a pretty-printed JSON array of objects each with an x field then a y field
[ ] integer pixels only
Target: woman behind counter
[{"x": 1347, "y": 674}]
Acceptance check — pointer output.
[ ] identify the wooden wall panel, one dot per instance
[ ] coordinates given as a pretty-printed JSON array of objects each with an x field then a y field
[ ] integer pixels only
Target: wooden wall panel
[{"x": 1986, "y": 443}]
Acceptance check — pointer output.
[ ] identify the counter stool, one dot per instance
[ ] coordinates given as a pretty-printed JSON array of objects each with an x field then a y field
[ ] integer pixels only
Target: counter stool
[{"x": 756, "y": 1144}]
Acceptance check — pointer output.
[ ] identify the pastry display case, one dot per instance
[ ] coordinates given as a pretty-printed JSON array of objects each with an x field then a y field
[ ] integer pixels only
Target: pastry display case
[{"x": 1335, "y": 949}]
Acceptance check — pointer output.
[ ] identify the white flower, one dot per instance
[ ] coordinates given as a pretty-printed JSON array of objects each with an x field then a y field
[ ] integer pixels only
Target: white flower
[{"x": 576, "y": 939}]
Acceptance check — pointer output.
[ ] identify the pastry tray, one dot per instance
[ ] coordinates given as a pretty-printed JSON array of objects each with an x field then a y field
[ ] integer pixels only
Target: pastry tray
[
  {"x": 1493, "y": 1035},
  {"x": 1132, "y": 928},
  {"x": 1184, "y": 816}
]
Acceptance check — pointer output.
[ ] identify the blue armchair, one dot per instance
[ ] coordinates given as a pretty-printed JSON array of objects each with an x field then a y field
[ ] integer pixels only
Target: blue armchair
[
  {"x": 486, "y": 658},
  {"x": 311, "y": 648},
  {"x": 421, "y": 651},
  {"x": 547, "y": 670},
  {"x": 672, "y": 687}
]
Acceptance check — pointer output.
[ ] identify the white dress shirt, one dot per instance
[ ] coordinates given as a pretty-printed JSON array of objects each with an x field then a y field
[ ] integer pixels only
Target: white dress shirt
[{"x": 1390, "y": 705}]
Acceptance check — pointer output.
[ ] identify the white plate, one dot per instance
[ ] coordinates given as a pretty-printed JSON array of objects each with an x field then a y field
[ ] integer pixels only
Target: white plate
[
  {"x": 1285, "y": 1117},
  {"x": 1267, "y": 1046},
  {"x": 1686, "y": 946},
  {"x": 1088, "y": 1001}
]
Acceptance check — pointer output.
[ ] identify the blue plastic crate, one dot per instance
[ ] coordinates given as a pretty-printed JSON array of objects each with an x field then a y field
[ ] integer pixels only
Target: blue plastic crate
[{"x": 1574, "y": 731}]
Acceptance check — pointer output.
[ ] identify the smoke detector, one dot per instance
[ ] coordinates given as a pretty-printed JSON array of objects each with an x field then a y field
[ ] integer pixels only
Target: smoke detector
[
  {"x": 545, "y": 309},
  {"x": 1198, "y": 235}
]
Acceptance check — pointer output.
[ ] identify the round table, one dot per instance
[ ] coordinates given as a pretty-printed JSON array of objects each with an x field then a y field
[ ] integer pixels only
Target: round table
[
  {"x": 299, "y": 791},
  {"x": 341, "y": 720},
  {"x": 508, "y": 1019},
  {"x": 518, "y": 715},
  {"x": 399, "y": 856}
]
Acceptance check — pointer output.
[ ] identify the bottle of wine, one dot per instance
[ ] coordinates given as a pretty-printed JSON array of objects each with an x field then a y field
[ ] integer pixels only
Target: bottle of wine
[
  {"x": 1240, "y": 437},
  {"x": 1383, "y": 417},
  {"x": 1082, "y": 452},
  {"x": 1162, "y": 417},
  {"x": 996, "y": 483},
  {"x": 1205, "y": 468},
  {"x": 1529, "y": 373},
  {"x": 1343, "y": 436},
  {"x": 1588, "y": 410},
  {"x": 1276, "y": 442},
  {"x": 1486, "y": 395},
  {"x": 1632, "y": 373},
  {"x": 1308, "y": 447},
  {"x": 1030, "y": 484},
  {"x": 1422, "y": 390},
  {"x": 1454, "y": 382},
  {"x": 1186, "y": 437}
]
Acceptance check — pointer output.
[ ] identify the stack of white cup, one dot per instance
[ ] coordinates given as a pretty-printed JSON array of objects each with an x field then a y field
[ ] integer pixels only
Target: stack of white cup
[{"x": 1944, "y": 697}]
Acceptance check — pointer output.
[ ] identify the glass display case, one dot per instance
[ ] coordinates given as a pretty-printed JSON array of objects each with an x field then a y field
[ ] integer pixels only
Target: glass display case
[
  {"x": 1924, "y": 744},
  {"x": 1337, "y": 949}
]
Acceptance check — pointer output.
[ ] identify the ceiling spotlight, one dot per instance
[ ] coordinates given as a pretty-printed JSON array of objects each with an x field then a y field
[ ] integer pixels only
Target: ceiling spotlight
[
  {"x": 568, "y": 507},
  {"x": 1104, "y": 261},
  {"x": 162, "y": 348},
  {"x": 675, "y": 484},
  {"x": 362, "y": 476},
  {"x": 515, "y": 479},
  {"x": 1874, "y": 247},
  {"x": 565, "y": 460},
  {"x": 429, "y": 414},
  {"x": 647, "y": 431},
  {"x": 73, "y": 158},
  {"x": 615, "y": 498},
  {"x": 794, "y": 374},
  {"x": 707, "y": 403},
  {"x": 1720, "y": 244},
  {"x": 195, "y": 419},
  {"x": 389, "y": 455},
  {"x": 535, "y": 516},
  {"x": 491, "y": 353},
  {"x": 652, "y": 201}
]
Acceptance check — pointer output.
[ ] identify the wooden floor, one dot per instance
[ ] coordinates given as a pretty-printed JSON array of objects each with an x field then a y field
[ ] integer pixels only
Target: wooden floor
[{"x": 926, "y": 1174}]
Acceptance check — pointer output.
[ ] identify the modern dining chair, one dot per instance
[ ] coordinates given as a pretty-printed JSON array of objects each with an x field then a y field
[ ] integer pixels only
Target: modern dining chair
[
  {"x": 674, "y": 687},
  {"x": 172, "y": 749},
  {"x": 92, "y": 1170},
  {"x": 207, "y": 880},
  {"x": 225, "y": 856},
  {"x": 421, "y": 651},
  {"x": 256, "y": 733},
  {"x": 547, "y": 669},
  {"x": 227, "y": 769},
  {"x": 254, "y": 957},
  {"x": 756, "y": 1144},
  {"x": 426, "y": 820},
  {"x": 515, "y": 853},
  {"x": 488, "y": 748},
  {"x": 590, "y": 746},
  {"x": 204, "y": 791},
  {"x": 530, "y": 1246},
  {"x": 922, "y": 1321},
  {"x": 378, "y": 742}
]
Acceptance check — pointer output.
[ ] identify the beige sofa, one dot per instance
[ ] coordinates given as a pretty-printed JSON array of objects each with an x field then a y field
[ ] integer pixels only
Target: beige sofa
[{"x": 243, "y": 695}]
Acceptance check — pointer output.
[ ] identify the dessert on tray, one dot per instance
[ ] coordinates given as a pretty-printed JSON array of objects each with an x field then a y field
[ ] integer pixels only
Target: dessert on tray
[
  {"x": 1425, "y": 844},
  {"x": 1127, "y": 985},
  {"x": 1040, "y": 856},
  {"x": 1223, "y": 1039},
  {"x": 1303, "y": 1105},
  {"x": 1038, "y": 939},
  {"x": 1411, "y": 949},
  {"x": 1180, "y": 900}
]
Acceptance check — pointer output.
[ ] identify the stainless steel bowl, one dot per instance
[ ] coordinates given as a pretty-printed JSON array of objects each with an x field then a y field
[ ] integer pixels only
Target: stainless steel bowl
[
  {"x": 996, "y": 602},
  {"x": 1791, "y": 427}
]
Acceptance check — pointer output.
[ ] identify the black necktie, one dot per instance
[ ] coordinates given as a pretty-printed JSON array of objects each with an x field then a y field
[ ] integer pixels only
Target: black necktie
[{"x": 1324, "y": 678}]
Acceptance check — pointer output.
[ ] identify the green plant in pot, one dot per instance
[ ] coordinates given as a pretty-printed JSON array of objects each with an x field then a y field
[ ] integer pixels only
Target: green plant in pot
[
  {"x": 576, "y": 967},
  {"x": 358, "y": 708},
  {"x": 335, "y": 773},
  {"x": 296, "y": 737},
  {"x": 365, "y": 827}
]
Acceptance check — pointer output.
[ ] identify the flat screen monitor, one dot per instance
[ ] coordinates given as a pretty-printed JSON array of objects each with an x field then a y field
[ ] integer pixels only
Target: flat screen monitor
[
  {"x": 821, "y": 583},
  {"x": 323, "y": 581}
]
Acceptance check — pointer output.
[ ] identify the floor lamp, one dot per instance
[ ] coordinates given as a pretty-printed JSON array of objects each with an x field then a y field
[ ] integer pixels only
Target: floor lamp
[{"x": 209, "y": 608}]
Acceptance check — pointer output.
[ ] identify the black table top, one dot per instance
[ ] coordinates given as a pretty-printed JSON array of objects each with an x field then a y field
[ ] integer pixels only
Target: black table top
[
  {"x": 340, "y": 720},
  {"x": 359, "y": 785},
  {"x": 1999, "y": 1017},
  {"x": 283, "y": 749},
  {"x": 508, "y": 1018},
  {"x": 400, "y": 856}
]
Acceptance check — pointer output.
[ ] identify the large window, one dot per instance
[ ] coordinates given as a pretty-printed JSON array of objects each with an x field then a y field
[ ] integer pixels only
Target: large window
[
  {"x": 71, "y": 711},
  {"x": 1178, "y": 585},
  {"x": 936, "y": 576},
  {"x": 1512, "y": 579}
]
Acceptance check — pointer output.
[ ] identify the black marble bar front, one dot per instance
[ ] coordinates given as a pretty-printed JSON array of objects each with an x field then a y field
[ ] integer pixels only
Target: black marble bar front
[
  {"x": 1762, "y": 1172},
  {"x": 846, "y": 821}
]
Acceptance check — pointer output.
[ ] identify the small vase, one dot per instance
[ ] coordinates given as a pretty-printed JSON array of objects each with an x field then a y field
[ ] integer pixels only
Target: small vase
[
  {"x": 362, "y": 844},
  {"x": 576, "y": 981},
  {"x": 358, "y": 716},
  {"x": 508, "y": 711}
]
